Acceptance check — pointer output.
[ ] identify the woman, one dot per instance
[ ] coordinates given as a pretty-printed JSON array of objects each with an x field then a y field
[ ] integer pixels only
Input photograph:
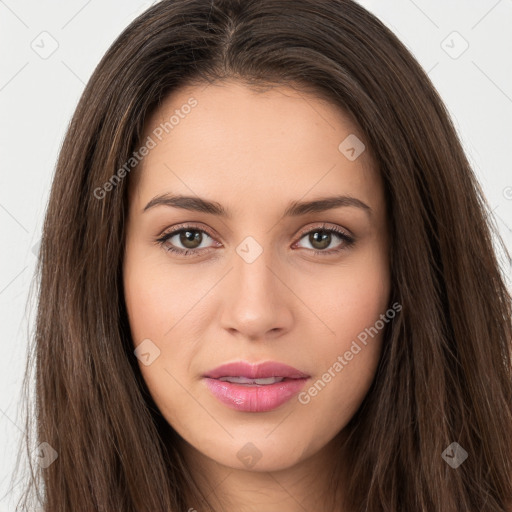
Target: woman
[{"x": 369, "y": 370}]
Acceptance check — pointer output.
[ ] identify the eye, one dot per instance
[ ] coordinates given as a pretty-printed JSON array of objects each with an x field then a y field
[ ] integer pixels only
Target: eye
[
  {"x": 189, "y": 237},
  {"x": 321, "y": 237}
]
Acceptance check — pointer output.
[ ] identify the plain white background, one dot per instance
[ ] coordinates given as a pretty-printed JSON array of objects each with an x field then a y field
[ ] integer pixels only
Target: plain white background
[{"x": 49, "y": 51}]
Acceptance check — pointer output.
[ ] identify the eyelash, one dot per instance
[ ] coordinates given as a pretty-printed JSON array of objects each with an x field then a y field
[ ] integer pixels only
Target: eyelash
[{"x": 348, "y": 240}]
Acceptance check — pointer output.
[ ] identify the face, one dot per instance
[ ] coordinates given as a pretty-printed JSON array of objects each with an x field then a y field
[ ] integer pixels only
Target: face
[{"x": 254, "y": 276}]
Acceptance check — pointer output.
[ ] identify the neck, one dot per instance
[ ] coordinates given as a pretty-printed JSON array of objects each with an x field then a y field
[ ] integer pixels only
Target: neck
[{"x": 308, "y": 485}]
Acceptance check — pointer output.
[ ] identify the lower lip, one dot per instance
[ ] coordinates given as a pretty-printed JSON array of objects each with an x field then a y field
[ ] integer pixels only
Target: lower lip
[{"x": 254, "y": 398}]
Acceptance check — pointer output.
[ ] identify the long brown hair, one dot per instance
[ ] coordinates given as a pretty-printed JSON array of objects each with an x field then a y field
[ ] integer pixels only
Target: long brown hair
[{"x": 445, "y": 373}]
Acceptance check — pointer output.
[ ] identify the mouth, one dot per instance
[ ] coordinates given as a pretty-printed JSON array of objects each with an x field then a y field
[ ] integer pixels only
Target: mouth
[
  {"x": 244, "y": 381},
  {"x": 255, "y": 388},
  {"x": 266, "y": 370}
]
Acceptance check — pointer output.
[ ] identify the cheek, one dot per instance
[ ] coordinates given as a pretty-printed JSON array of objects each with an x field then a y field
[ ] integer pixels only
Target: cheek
[
  {"x": 162, "y": 306},
  {"x": 156, "y": 298},
  {"x": 156, "y": 302},
  {"x": 352, "y": 298},
  {"x": 149, "y": 300},
  {"x": 354, "y": 305}
]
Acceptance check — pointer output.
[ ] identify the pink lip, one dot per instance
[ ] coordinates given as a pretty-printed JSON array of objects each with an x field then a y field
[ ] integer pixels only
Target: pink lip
[{"x": 255, "y": 398}]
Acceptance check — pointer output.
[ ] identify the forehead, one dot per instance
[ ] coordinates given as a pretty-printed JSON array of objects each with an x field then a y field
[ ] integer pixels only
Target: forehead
[{"x": 226, "y": 138}]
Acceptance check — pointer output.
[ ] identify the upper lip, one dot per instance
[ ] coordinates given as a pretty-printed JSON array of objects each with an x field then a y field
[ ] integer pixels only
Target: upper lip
[{"x": 256, "y": 371}]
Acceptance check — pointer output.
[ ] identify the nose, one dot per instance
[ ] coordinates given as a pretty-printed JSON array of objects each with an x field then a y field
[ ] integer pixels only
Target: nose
[{"x": 257, "y": 301}]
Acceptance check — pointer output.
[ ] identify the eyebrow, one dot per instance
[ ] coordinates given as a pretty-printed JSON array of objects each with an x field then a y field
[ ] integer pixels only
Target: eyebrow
[{"x": 294, "y": 209}]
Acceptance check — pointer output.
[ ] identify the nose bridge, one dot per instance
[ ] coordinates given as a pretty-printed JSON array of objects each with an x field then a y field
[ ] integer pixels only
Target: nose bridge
[
  {"x": 254, "y": 304},
  {"x": 251, "y": 265}
]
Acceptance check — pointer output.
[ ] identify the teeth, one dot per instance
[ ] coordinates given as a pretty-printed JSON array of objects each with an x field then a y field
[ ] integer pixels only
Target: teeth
[{"x": 245, "y": 380}]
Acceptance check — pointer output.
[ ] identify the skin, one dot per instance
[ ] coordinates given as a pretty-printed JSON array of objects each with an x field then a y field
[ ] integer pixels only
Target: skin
[{"x": 254, "y": 152}]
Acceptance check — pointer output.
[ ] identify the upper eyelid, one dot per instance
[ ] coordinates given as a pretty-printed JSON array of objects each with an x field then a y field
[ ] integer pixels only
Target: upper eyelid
[
  {"x": 175, "y": 230},
  {"x": 327, "y": 226}
]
